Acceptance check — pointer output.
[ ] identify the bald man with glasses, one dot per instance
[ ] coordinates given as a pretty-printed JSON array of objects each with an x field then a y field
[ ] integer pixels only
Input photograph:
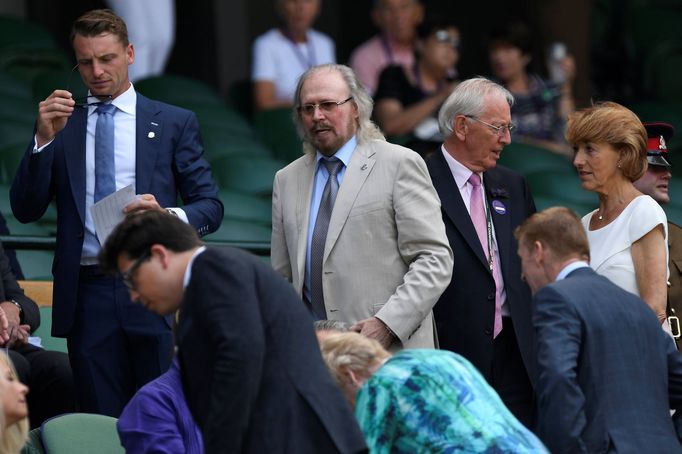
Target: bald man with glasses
[
  {"x": 485, "y": 313},
  {"x": 356, "y": 225}
]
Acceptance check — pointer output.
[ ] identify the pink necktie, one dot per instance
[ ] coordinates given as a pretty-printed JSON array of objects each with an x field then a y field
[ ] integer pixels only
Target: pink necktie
[{"x": 478, "y": 218}]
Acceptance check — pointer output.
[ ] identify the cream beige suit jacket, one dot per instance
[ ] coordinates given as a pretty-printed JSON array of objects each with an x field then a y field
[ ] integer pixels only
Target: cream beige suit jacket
[{"x": 386, "y": 253}]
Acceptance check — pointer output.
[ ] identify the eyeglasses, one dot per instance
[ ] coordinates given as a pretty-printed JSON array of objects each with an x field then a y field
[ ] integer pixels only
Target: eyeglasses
[
  {"x": 90, "y": 100},
  {"x": 127, "y": 276},
  {"x": 499, "y": 130},
  {"x": 324, "y": 106},
  {"x": 443, "y": 36}
]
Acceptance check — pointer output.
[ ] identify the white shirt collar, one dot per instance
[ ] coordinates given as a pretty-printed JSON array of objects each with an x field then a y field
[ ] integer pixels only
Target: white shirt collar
[
  {"x": 458, "y": 170},
  {"x": 568, "y": 269},
  {"x": 188, "y": 270},
  {"x": 126, "y": 101}
]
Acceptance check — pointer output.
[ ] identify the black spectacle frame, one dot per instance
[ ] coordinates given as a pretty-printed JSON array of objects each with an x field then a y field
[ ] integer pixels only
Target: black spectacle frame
[
  {"x": 127, "y": 276},
  {"x": 85, "y": 100}
]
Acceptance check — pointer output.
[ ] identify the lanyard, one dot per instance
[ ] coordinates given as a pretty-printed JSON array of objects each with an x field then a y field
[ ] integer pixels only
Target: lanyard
[
  {"x": 387, "y": 49},
  {"x": 489, "y": 229},
  {"x": 305, "y": 61}
]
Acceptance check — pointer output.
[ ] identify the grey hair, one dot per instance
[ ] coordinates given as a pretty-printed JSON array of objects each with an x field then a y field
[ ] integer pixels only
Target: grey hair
[
  {"x": 468, "y": 99},
  {"x": 336, "y": 325},
  {"x": 367, "y": 130}
]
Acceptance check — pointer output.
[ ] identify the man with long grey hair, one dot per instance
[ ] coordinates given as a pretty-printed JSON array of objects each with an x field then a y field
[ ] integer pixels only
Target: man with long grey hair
[
  {"x": 484, "y": 314},
  {"x": 356, "y": 223}
]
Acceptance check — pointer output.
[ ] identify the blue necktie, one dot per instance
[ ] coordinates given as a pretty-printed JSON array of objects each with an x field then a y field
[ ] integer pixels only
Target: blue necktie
[
  {"x": 105, "y": 180},
  {"x": 319, "y": 238}
]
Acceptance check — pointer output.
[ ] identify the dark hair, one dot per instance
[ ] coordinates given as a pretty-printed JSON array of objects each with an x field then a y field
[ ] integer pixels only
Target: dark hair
[
  {"x": 557, "y": 228},
  {"x": 515, "y": 34},
  {"x": 431, "y": 25},
  {"x": 140, "y": 231},
  {"x": 98, "y": 21}
]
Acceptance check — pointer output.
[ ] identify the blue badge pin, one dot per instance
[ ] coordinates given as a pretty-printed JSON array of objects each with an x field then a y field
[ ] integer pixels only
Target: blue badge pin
[{"x": 499, "y": 207}]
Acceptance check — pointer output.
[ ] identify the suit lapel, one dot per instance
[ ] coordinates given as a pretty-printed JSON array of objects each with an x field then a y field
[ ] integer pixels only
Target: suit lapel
[
  {"x": 305, "y": 193},
  {"x": 149, "y": 128},
  {"x": 74, "y": 154},
  {"x": 453, "y": 206},
  {"x": 499, "y": 211},
  {"x": 359, "y": 168}
]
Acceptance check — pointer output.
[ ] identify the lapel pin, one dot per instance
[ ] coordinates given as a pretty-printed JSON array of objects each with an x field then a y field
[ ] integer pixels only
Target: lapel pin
[
  {"x": 499, "y": 207},
  {"x": 364, "y": 166},
  {"x": 151, "y": 134}
]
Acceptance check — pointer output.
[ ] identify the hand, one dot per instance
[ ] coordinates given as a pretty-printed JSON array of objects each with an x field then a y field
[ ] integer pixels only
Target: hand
[
  {"x": 14, "y": 333},
  {"x": 142, "y": 202},
  {"x": 20, "y": 336},
  {"x": 53, "y": 113},
  {"x": 568, "y": 67},
  {"x": 4, "y": 328},
  {"x": 375, "y": 329}
]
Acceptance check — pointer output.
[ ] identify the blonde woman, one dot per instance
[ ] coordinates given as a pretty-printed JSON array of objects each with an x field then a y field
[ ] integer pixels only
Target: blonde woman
[
  {"x": 13, "y": 409},
  {"x": 422, "y": 400}
]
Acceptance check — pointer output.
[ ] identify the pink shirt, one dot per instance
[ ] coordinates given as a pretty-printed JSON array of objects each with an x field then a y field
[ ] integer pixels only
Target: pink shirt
[{"x": 371, "y": 57}]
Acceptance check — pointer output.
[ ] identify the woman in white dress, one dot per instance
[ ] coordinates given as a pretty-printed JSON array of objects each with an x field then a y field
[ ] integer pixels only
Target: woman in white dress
[{"x": 628, "y": 232}]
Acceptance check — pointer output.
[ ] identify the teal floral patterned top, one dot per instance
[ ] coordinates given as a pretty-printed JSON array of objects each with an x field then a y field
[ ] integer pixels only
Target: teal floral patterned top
[{"x": 435, "y": 401}]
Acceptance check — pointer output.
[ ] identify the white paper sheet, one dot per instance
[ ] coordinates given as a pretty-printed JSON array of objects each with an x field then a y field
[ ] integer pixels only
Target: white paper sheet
[{"x": 108, "y": 212}]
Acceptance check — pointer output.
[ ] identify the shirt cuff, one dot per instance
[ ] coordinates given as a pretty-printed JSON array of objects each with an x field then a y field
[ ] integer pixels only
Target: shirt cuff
[
  {"x": 35, "y": 145},
  {"x": 180, "y": 213}
]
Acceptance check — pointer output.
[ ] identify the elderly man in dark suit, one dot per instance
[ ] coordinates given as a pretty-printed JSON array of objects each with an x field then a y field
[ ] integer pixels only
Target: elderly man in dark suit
[
  {"x": 606, "y": 373},
  {"x": 249, "y": 361},
  {"x": 83, "y": 150},
  {"x": 484, "y": 314}
]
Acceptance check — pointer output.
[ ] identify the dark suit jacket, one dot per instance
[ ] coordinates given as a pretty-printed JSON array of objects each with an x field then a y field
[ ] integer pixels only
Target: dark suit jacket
[
  {"x": 169, "y": 163},
  {"x": 251, "y": 367},
  {"x": 10, "y": 290},
  {"x": 606, "y": 371},
  {"x": 465, "y": 312}
]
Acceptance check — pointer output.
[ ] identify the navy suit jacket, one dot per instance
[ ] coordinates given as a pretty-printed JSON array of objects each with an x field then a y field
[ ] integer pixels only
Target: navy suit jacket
[
  {"x": 167, "y": 164},
  {"x": 465, "y": 313},
  {"x": 251, "y": 366},
  {"x": 607, "y": 373}
]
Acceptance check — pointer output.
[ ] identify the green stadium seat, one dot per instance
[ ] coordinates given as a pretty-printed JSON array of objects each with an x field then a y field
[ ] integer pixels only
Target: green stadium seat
[
  {"x": 249, "y": 208},
  {"x": 673, "y": 213},
  {"x": 543, "y": 202},
  {"x": 26, "y": 65},
  {"x": 246, "y": 174},
  {"x": 241, "y": 231},
  {"x": 276, "y": 129},
  {"x": 36, "y": 265},
  {"x": 180, "y": 90},
  {"x": 44, "y": 332},
  {"x": 33, "y": 445},
  {"x": 18, "y": 33},
  {"x": 11, "y": 85},
  {"x": 81, "y": 433},
  {"x": 526, "y": 159},
  {"x": 563, "y": 186},
  {"x": 15, "y": 132},
  {"x": 10, "y": 157},
  {"x": 49, "y": 80}
]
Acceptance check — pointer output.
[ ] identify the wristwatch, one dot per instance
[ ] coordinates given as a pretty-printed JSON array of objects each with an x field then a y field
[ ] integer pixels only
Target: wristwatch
[{"x": 21, "y": 311}]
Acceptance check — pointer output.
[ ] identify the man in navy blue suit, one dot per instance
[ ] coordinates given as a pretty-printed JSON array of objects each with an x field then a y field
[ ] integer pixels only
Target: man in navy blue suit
[
  {"x": 82, "y": 150},
  {"x": 607, "y": 374}
]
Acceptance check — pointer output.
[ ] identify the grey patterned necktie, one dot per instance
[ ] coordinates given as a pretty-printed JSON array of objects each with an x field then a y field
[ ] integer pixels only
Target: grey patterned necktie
[{"x": 319, "y": 239}]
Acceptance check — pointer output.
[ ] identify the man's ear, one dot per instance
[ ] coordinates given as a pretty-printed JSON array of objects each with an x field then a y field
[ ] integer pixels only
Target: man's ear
[
  {"x": 163, "y": 254},
  {"x": 539, "y": 252},
  {"x": 460, "y": 127}
]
